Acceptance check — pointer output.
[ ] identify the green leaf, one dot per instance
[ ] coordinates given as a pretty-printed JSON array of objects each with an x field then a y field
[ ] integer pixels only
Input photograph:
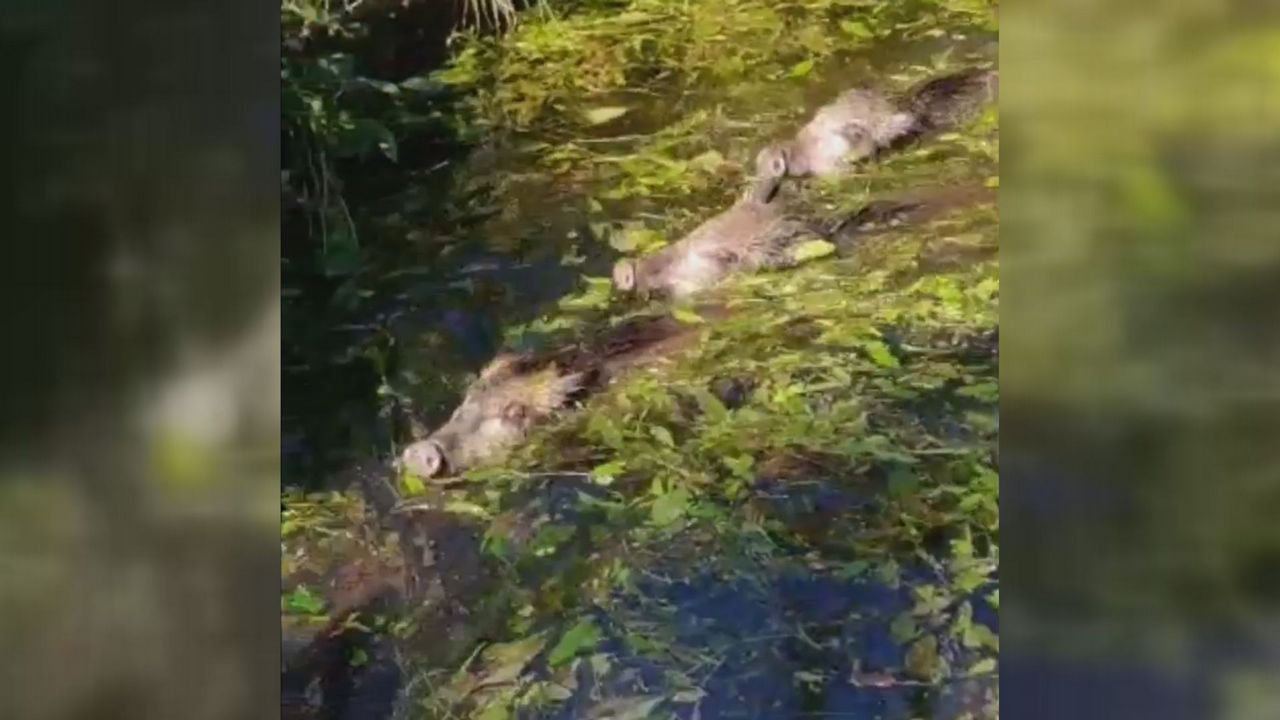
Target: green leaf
[
  {"x": 983, "y": 667},
  {"x": 466, "y": 508},
  {"x": 902, "y": 482},
  {"x": 880, "y": 354},
  {"x": 363, "y": 136},
  {"x": 854, "y": 569},
  {"x": 809, "y": 677},
  {"x": 812, "y": 250},
  {"x": 636, "y": 238},
  {"x": 380, "y": 85},
  {"x": 494, "y": 712},
  {"x": 302, "y": 602},
  {"x": 856, "y": 28},
  {"x": 687, "y": 316},
  {"x": 710, "y": 405},
  {"x": 888, "y": 574},
  {"x": 903, "y": 627},
  {"x": 689, "y": 696},
  {"x": 606, "y": 473},
  {"x": 583, "y": 636},
  {"x": 986, "y": 392},
  {"x": 549, "y": 538},
  {"x": 987, "y": 289},
  {"x": 634, "y": 708},
  {"x": 923, "y": 661},
  {"x": 670, "y": 507},
  {"x": 602, "y": 115},
  {"x": 662, "y": 435},
  {"x": 504, "y": 662},
  {"x": 740, "y": 466},
  {"x": 971, "y": 579},
  {"x": 978, "y": 635},
  {"x": 801, "y": 69},
  {"x": 412, "y": 485},
  {"x": 421, "y": 84}
]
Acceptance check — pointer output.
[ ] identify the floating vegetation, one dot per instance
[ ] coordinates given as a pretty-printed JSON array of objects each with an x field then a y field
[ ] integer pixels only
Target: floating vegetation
[{"x": 797, "y": 514}]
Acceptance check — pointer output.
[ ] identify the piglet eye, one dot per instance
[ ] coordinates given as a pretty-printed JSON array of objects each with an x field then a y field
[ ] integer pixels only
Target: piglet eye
[{"x": 515, "y": 411}]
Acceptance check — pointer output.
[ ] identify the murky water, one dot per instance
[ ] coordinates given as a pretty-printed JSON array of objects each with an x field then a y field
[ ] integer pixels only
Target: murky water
[{"x": 771, "y": 631}]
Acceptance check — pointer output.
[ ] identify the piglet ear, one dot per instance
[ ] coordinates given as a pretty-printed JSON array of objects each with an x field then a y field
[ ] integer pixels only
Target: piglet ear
[
  {"x": 515, "y": 411},
  {"x": 502, "y": 364}
]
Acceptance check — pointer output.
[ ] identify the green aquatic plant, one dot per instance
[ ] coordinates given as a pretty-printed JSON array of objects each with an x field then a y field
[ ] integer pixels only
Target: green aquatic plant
[{"x": 868, "y": 378}]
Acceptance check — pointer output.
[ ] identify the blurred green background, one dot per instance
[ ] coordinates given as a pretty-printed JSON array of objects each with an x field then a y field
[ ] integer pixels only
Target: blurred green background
[{"x": 1140, "y": 254}]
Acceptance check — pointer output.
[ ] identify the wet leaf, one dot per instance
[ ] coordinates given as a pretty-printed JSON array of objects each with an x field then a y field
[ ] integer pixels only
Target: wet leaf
[
  {"x": 602, "y": 115},
  {"x": 978, "y": 635},
  {"x": 636, "y": 238},
  {"x": 812, "y": 250},
  {"x": 855, "y": 569},
  {"x": 303, "y": 602},
  {"x": 983, "y": 667},
  {"x": 363, "y": 136},
  {"x": 581, "y": 637},
  {"x": 856, "y": 28},
  {"x": 662, "y": 435},
  {"x": 687, "y": 316},
  {"x": 888, "y": 574},
  {"x": 632, "y": 708},
  {"x": 903, "y": 482},
  {"x": 463, "y": 507},
  {"x": 710, "y": 405},
  {"x": 670, "y": 507},
  {"x": 986, "y": 392},
  {"x": 903, "y": 627},
  {"x": 379, "y": 85},
  {"x": 987, "y": 289},
  {"x": 709, "y": 161},
  {"x": 549, "y": 538},
  {"x": 411, "y": 485},
  {"x": 801, "y": 69},
  {"x": 606, "y": 473},
  {"x": 496, "y": 711},
  {"x": 740, "y": 466},
  {"x": 880, "y": 354},
  {"x": 555, "y": 692},
  {"x": 504, "y": 662},
  {"x": 970, "y": 580},
  {"x": 923, "y": 661},
  {"x": 688, "y": 696},
  {"x": 420, "y": 84},
  {"x": 809, "y": 678}
]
